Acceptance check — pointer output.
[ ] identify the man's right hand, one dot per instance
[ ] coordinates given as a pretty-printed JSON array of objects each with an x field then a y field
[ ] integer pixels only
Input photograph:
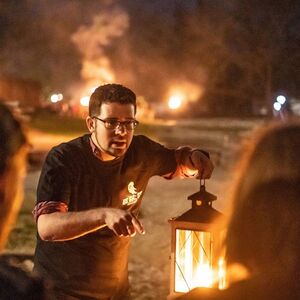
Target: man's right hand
[{"x": 122, "y": 222}]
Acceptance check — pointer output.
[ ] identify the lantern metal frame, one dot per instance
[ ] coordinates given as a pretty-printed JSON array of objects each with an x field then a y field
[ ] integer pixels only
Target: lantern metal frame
[{"x": 200, "y": 218}]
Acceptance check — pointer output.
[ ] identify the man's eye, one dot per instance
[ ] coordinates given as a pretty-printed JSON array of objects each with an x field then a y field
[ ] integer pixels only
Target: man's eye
[{"x": 112, "y": 123}]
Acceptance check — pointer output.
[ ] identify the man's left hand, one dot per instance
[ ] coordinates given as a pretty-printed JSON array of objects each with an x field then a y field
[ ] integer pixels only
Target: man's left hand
[{"x": 202, "y": 164}]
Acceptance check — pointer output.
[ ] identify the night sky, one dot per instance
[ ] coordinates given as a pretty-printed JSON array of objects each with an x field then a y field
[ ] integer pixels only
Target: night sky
[{"x": 222, "y": 49}]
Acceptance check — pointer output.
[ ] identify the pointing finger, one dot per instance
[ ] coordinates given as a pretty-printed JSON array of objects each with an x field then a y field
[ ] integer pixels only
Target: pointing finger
[{"x": 138, "y": 225}]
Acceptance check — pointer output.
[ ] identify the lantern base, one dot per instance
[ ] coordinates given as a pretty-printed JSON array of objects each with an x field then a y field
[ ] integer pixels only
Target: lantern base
[{"x": 196, "y": 293}]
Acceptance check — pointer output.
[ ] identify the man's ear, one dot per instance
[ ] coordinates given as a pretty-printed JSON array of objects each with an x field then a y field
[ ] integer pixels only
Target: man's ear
[{"x": 90, "y": 123}]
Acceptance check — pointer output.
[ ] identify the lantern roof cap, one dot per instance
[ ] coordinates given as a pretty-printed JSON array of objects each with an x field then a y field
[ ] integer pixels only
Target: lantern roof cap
[
  {"x": 203, "y": 195},
  {"x": 203, "y": 214},
  {"x": 202, "y": 211}
]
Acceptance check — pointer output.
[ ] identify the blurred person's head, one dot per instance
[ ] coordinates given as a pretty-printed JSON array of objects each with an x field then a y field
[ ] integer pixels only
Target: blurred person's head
[
  {"x": 263, "y": 231},
  {"x": 111, "y": 119},
  {"x": 13, "y": 151}
]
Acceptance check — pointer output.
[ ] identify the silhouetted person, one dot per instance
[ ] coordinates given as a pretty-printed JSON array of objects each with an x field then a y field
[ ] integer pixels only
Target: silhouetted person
[
  {"x": 15, "y": 283},
  {"x": 264, "y": 228}
]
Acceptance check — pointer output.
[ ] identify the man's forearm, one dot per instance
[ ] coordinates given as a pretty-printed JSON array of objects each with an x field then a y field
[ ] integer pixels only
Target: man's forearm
[{"x": 60, "y": 226}]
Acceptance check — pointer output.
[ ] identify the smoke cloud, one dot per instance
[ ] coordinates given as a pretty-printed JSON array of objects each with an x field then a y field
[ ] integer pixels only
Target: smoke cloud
[{"x": 93, "y": 40}]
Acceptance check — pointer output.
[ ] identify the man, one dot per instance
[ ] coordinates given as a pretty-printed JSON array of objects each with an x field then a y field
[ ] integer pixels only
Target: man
[
  {"x": 14, "y": 283},
  {"x": 89, "y": 194}
]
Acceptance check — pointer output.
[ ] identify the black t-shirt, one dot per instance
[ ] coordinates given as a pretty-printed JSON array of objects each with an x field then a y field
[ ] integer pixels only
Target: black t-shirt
[{"x": 95, "y": 265}]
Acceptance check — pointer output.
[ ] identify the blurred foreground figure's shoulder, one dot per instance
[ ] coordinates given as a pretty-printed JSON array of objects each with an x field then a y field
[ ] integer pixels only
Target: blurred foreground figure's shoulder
[
  {"x": 256, "y": 288},
  {"x": 17, "y": 284}
]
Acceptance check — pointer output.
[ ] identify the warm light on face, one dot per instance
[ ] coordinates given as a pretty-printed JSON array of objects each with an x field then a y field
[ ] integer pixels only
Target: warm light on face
[
  {"x": 194, "y": 262},
  {"x": 114, "y": 142}
]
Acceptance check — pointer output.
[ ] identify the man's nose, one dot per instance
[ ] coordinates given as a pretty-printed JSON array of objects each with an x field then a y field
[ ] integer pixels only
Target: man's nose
[{"x": 121, "y": 129}]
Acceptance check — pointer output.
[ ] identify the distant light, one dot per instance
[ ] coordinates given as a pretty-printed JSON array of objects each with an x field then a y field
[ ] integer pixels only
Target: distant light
[
  {"x": 175, "y": 102},
  {"x": 277, "y": 106},
  {"x": 54, "y": 98},
  {"x": 281, "y": 99},
  {"x": 84, "y": 101},
  {"x": 60, "y": 97},
  {"x": 263, "y": 111}
]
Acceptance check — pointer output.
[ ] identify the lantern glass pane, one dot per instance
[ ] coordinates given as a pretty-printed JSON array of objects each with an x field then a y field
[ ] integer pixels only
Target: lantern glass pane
[{"x": 193, "y": 260}]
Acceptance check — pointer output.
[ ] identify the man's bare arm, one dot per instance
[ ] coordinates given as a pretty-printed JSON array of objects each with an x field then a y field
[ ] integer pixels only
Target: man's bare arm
[{"x": 61, "y": 226}]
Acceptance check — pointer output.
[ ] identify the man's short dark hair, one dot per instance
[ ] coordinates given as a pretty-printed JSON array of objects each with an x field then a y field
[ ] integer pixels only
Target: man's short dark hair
[{"x": 110, "y": 93}]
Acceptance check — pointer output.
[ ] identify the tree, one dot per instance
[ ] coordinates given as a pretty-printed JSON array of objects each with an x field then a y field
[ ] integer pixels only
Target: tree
[{"x": 247, "y": 49}]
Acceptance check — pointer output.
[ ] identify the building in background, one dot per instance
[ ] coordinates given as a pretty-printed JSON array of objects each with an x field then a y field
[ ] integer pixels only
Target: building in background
[{"x": 22, "y": 93}]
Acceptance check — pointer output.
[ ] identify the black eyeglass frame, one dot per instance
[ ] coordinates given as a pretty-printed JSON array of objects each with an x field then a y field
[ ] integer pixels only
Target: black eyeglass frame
[{"x": 115, "y": 123}]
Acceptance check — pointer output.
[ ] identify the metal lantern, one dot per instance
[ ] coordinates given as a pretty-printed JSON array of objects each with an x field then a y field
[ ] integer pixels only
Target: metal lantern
[{"x": 196, "y": 246}]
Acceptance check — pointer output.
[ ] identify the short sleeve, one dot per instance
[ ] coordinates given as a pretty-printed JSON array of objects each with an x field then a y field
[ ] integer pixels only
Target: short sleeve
[
  {"x": 55, "y": 179},
  {"x": 161, "y": 160}
]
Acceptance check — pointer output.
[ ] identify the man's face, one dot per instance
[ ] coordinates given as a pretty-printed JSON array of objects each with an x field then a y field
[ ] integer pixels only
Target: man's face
[{"x": 113, "y": 142}]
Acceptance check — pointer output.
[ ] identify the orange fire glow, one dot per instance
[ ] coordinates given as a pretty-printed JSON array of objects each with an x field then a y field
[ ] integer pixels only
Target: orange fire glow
[
  {"x": 181, "y": 94},
  {"x": 175, "y": 101},
  {"x": 194, "y": 267}
]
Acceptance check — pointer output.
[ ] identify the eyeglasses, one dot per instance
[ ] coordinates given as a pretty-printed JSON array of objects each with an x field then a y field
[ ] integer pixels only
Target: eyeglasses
[{"x": 115, "y": 123}]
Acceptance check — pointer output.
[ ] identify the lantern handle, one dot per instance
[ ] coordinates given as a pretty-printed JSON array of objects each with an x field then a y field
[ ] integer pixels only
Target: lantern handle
[{"x": 202, "y": 182}]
